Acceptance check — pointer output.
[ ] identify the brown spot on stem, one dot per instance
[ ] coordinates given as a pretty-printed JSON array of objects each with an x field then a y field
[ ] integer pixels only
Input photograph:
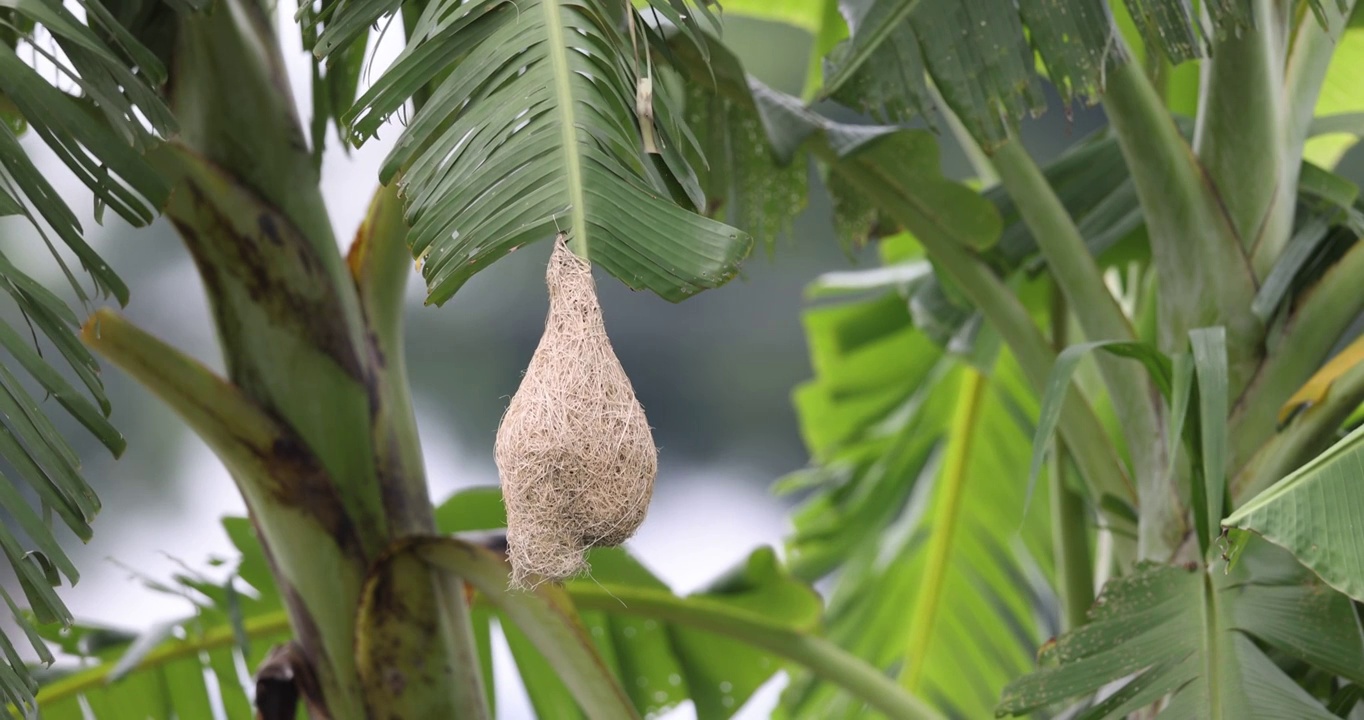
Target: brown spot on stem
[{"x": 267, "y": 264}]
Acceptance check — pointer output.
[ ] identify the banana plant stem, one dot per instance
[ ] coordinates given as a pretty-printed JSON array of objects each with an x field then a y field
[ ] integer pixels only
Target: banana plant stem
[
  {"x": 1078, "y": 277},
  {"x": 1070, "y": 537},
  {"x": 1239, "y": 137},
  {"x": 980, "y": 162},
  {"x": 1203, "y": 283}
]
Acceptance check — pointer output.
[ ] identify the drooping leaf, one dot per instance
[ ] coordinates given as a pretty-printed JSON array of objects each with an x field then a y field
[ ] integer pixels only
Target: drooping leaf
[
  {"x": 891, "y": 84},
  {"x": 1062, "y": 373},
  {"x": 98, "y": 129},
  {"x": 1314, "y": 513},
  {"x": 1191, "y": 633},
  {"x": 870, "y": 26},
  {"x": 1091, "y": 178},
  {"x": 951, "y": 209},
  {"x": 757, "y": 184},
  {"x": 753, "y": 189},
  {"x": 482, "y": 177},
  {"x": 984, "y": 73}
]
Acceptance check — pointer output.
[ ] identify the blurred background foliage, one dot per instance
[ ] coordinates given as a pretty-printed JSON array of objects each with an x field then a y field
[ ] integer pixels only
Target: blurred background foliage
[{"x": 715, "y": 373}]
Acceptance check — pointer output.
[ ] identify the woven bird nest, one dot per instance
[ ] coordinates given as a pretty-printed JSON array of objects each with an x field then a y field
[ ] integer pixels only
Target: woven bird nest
[{"x": 574, "y": 450}]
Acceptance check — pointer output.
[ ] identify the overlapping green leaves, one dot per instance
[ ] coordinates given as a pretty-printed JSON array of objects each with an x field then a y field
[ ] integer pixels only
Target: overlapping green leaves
[
  {"x": 98, "y": 135},
  {"x": 1194, "y": 634},
  {"x": 180, "y": 669},
  {"x": 1315, "y": 513},
  {"x": 1336, "y": 128},
  {"x": 980, "y": 53},
  {"x": 1091, "y": 180},
  {"x": 616, "y": 644},
  {"x": 482, "y": 176},
  {"x": 942, "y": 579},
  {"x": 658, "y": 663},
  {"x": 871, "y": 420},
  {"x": 98, "y": 126}
]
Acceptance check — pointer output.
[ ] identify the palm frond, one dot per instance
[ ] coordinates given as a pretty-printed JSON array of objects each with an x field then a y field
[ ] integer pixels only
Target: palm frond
[
  {"x": 481, "y": 177},
  {"x": 97, "y": 113},
  {"x": 177, "y": 669},
  {"x": 660, "y": 648}
]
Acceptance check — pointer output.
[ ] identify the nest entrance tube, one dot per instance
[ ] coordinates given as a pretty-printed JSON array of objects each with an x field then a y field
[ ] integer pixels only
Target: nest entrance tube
[{"x": 574, "y": 451}]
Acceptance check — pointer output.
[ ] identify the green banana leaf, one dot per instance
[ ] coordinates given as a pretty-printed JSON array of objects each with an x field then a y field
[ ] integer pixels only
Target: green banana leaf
[
  {"x": 1195, "y": 635},
  {"x": 583, "y": 151},
  {"x": 943, "y": 579},
  {"x": 618, "y": 643},
  {"x": 1314, "y": 514}
]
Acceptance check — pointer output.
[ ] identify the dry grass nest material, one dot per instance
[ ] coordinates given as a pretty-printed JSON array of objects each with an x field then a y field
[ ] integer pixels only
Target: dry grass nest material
[{"x": 574, "y": 450}]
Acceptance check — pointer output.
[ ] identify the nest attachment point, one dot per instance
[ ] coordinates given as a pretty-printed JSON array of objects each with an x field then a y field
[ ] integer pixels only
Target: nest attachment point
[{"x": 574, "y": 450}]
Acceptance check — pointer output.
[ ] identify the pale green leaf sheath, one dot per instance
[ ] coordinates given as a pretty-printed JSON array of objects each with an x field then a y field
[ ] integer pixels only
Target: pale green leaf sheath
[{"x": 536, "y": 132}]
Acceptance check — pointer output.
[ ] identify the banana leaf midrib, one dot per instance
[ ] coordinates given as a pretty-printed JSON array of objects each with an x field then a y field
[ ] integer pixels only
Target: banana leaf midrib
[{"x": 557, "y": 56}]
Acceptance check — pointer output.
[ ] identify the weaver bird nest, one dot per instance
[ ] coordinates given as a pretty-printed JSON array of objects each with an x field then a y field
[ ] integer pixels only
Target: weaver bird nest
[{"x": 574, "y": 450}]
